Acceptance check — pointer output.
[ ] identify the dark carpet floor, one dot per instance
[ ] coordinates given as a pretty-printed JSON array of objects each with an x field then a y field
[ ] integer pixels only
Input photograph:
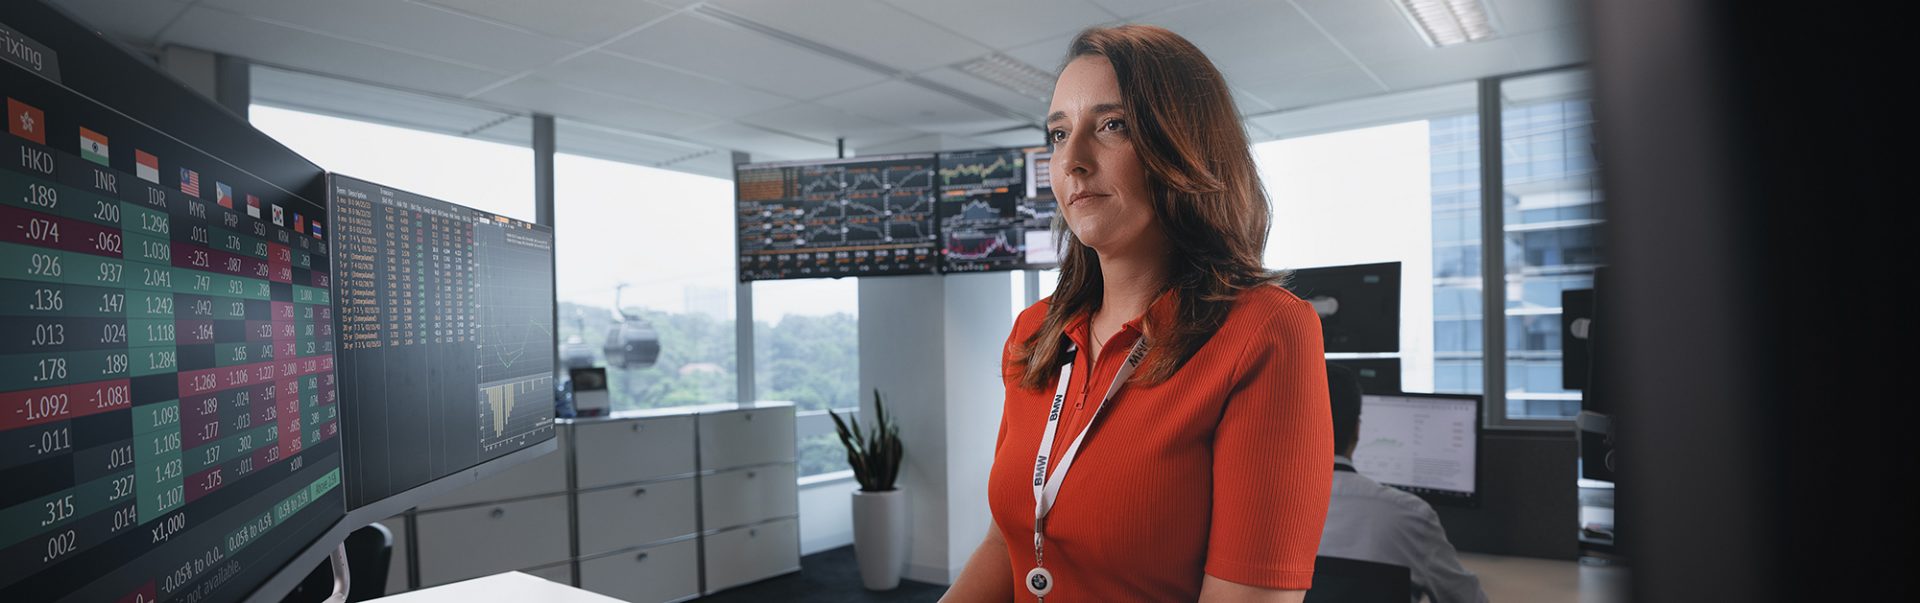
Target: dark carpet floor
[{"x": 826, "y": 576}]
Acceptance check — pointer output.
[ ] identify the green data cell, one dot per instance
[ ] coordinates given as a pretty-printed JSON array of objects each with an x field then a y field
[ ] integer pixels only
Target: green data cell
[
  {"x": 156, "y": 250},
  {"x": 147, "y": 332},
  {"x": 149, "y": 304},
  {"x": 154, "y": 361},
  {"x": 156, "y": 417}
]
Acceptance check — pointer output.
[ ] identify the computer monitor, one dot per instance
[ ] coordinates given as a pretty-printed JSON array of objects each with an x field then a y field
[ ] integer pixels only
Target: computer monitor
[
  {"x": 1359, "y": 305},
  {"x": 992, "y": 215},
  {"x": 1426, "y": 444},
  {"x": 447, "y": 359},
  {"x": 167, "y": 423},
  {"x": 842, "y": 217}
]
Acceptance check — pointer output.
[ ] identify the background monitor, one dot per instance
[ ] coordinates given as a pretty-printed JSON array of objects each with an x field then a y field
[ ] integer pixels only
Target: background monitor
[
  {"x": 446, "y": 337},
  {"x": 841, "y": 217},
  {"x": 1359, "y": 305},
  {"x": 167, "y": 422},
  {"x": 991, "y": 214},
  {"x": 1426, "y": 444},
  {"x": 1377, "y": 375}
]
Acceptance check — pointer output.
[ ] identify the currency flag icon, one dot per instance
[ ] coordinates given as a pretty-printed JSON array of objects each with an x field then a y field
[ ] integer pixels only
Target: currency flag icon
[
  {"x": 223, "y": 194},
  {"x": 93, "y": 146},
  {"x": 190, "y": 182},
  {"x": 279, "y": 216},
  {"x": 253, "y": 206},
  {"x": 146, "y": 166},
  {"x": 26, "y": 121}
]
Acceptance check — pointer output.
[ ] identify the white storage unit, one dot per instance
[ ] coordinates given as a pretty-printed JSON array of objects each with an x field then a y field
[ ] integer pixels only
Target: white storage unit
[{"x": 649, "y": 507}]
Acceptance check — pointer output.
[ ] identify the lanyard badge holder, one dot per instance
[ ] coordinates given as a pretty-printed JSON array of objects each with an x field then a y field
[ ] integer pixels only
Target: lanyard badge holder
[{"x": 1045, "y": 489}]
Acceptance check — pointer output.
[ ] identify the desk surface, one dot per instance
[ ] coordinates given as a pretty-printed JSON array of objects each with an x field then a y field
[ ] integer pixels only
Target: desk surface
[
  {"x": 1546, "y": 580},
  {"x": 504, "y": 587}
]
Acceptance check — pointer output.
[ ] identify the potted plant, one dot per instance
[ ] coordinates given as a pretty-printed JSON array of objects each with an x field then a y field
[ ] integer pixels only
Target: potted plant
[{"x": 879, "y": 507}]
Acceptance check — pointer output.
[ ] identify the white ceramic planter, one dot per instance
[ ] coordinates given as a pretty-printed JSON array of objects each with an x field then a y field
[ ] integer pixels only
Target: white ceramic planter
[{"x": 880, "y": 537}]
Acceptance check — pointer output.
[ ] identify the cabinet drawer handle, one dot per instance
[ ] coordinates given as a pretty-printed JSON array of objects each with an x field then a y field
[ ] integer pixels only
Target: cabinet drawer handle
[
  {"x": 749, "y": 416},
  {"x": 497, "y": 513},
  {"x": 639, "y": 491},
  {"x": 751, "y": 474},
  {"x": 640, "y": 557},
  {"x": 636, "y": 427},
  {"x": 753, "y": 532}
]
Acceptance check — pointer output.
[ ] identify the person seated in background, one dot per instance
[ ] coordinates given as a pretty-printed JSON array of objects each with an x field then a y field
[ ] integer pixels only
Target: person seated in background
[{"x": 1370, "y": 522}]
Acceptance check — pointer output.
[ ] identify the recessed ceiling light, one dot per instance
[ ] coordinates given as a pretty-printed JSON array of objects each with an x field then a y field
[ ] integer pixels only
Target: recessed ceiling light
[
  {"x": 1012, "y": 74},
  {"x": 1448, "y": 22}
]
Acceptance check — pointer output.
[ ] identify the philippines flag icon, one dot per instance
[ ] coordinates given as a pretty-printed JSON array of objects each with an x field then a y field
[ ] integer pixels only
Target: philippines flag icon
[
  {"x": 223, "y": 194},
  {"x": 190, "y": 182},
  {"x": 253, "y": 206}
]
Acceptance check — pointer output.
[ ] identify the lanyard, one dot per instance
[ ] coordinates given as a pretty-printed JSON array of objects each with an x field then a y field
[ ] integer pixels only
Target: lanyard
[{"x": 1040, "y": 581}]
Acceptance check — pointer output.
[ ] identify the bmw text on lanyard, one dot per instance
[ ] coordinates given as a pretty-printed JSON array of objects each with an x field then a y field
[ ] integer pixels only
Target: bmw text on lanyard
[{"x": 1040, "y": 581}]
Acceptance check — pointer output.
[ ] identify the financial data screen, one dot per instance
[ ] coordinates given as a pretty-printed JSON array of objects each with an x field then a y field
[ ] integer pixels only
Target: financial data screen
[
  {"x": 446, "y": 336},
  {"x": 993, "y": 215},
  {"x": 1424, "y": 445},
  {"x": 168, "y": 409},
  {"x": 853, "y": 217}
]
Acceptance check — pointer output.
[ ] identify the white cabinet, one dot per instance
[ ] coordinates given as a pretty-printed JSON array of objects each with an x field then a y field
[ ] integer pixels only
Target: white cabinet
[
  {"x": 641, "y": 506},
  {"x": 752, "y": 553},
  {"x": 668, "y": 572},
  {"x": 621, "y": 451},
  {"x": 626, "y": 516},
  {"x": 751, "y": 495},
  {"x": 470, "y": 542}
]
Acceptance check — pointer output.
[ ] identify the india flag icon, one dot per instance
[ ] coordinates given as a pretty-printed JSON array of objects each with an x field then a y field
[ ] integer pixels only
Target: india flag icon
[{"x": 93, "y": 146}]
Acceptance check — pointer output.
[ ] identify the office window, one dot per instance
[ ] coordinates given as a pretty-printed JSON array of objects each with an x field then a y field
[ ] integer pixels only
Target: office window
[
  {"x": 1402, "y": 192},
  {"x": 1551, "y": 209},
  {"x": 806, "y": 339},
  {"x": 664, "y": 235},
  {"x": 485, "y": 175}
]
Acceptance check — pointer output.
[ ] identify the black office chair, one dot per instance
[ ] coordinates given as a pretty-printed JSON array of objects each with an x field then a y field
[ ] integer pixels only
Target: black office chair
[
  {"x": 1337, "y": 580},
  {"x": 369, "y": 554}
]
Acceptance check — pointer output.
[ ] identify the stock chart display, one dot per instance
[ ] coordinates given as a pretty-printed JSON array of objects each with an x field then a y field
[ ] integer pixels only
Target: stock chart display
[
  {"x": 168, "y": 422},
  {"x": 993, "y": 216},
  {"x": 854, "y": 217},
  {"x": 436, "y": 298}
]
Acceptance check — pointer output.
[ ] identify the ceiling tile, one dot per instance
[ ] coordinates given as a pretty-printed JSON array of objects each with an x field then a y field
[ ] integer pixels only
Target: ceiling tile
[
  {"x": 132, "y": 22},
  {"x": 1018, "y": 137},
  {"x": 1291, "y": 90},
  {"x": 330, "y": 96},
  {"x": 870, "y": 29},
  {"x": 1130, "y": 9},
  {"x": 1498, "y": 56},
  {"x": 1520, "y": 16},
  {"x": 544, "y": 96},
  {"x": 580, "y": 138},
  {"x": 826, "y": 124},
  {"x": 954, "y": 78},
  {"x": 412, "y": 28},
  {"x": 763, "y": 145},
  {"x": 917, "y": 108},
  {"x": 1008, "y": 23},
  {"x": 227, "y": 33},
  {"x": 703, "y": 45},
  {"x": 1396, "y": 107},
  {"x": 1049, "y": 54},
  {"x": 1254, "y": 38},
  {"x": 659, "y": 85},
  {"x": 564, "y": 19}
]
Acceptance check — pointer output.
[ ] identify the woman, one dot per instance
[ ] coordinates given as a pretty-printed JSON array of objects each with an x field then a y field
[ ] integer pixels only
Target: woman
[{"x": 1206, "y": 474}]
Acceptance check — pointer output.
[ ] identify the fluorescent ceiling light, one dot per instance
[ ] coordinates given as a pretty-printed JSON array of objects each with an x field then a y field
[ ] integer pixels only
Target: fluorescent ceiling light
[
  {"x": 1012, "y": 74},
  {"x": 1448, "y": 22}
]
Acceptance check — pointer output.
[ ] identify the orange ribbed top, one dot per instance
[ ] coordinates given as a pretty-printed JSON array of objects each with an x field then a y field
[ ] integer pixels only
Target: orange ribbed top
[{"x": 1223, "y": 469}]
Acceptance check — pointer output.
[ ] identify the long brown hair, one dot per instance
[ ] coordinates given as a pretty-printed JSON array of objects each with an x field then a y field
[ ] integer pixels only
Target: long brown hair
[{"x": 1207, "y": 198}]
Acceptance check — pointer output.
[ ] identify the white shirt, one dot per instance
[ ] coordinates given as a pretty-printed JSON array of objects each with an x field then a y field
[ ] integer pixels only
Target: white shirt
[{"x": 1370, "y": 522}]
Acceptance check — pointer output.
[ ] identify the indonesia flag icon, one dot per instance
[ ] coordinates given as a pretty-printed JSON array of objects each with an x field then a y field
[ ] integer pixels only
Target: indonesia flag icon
[{"x": 146, "y": 166}]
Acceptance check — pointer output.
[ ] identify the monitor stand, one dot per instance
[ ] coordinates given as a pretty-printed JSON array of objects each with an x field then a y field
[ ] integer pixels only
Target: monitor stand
[{"x": 341, "y": 579}]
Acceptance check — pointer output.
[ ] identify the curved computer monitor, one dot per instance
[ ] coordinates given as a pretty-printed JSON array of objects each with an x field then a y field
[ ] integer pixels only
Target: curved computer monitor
[
  {"x": 167, "y": 422},
  {"x": 447, "y": 354},
  {"x": 1425, "y": 444}
]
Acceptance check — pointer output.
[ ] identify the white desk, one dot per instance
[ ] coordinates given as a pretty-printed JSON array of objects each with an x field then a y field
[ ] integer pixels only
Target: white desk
[
  {"x": 1545, "y": 580},
  {"x": 506, "y": 587}
]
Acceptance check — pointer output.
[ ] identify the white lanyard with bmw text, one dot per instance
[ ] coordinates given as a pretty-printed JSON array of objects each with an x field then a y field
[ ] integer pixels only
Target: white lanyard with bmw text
[{"x": 1040, "y": 581}]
